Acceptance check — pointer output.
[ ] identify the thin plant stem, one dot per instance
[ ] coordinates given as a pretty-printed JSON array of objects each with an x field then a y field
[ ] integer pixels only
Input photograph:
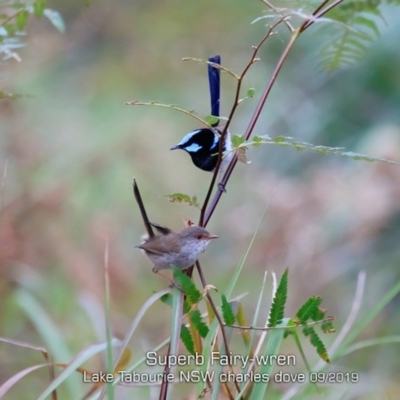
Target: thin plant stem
[
  {"x": 3, "y": 187},
  {"x": 210, "y": 209},
  {"x": 319, "y": 14},
  {"x": 221, "y": 323},
  {"x": 207, "y": 211},
  {"x": 269, "y": 328},
  {"x": 274, "y": 9},
  {"x": 221, "y": 188}
]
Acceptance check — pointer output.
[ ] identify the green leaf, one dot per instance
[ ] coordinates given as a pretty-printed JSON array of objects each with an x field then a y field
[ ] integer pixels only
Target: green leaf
[
  {"x": 167, "y": 299},
  {"x": 187, "y": 339},
  {"x": 227, "y": 312},
  {"x": 211, "y": 120},
  {"x": 353, "y": 27},
  {"x": 251, "y": 92},
  {"x": 280, "y": 139},
  {"x": 316, "y": 342},
  {"x": 197, "y": 321},
  {"x": 278, "y": 304},
  {"x": 368, "y": 23},
  {"x": 4, "y": 95},
  {"x": 10, "y": 29},
  {"x": 21, "y": 19},
  {"x": 257, "y": 141},
  {"x": 185, "y": 283},
  {"x": 308, "y": 309},
  {"x": 327, "y": 327},
  {"x": 291, "y": 327},
  {"x": 318, "y": 314},
  {"x": 55, "y": 18},
  {"x": 38, "y": 7},
  {"x": 183, "y": 198},
  {"x": 325, "y": 150},
  {"x": 242, "y": 321},
  {"x": 237, "y": 140}
]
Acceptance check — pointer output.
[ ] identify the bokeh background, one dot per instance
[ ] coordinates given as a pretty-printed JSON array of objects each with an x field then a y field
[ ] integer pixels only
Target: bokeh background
[{"x": 71, "y": 146}]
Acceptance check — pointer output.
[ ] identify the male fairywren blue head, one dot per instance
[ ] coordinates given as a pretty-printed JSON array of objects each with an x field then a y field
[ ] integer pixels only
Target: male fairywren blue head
[{"x": 203, "y": 146}]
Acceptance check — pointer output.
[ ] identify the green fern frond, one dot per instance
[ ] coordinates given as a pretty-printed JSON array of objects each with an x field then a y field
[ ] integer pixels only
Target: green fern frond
[
  {"x": 316, "y": 342},
  {"x": 278, "y": 305},
  {"x": 197, "y": 320},
  {"x": 349, "y": 39},
  {"x": 318, "y": 314},
  {"x": 308, "y": 309},
  {"x": 187, "y": 339},
  {"x": 227, "y": 312},
  {"x": 186, "y": 285},
  {"x": 327, "y": 327}
]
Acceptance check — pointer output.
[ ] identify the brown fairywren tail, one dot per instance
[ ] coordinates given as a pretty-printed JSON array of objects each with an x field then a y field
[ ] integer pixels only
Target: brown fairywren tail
[
  {"x": 160, "y": 228},
  {"x": 139, "y": 201}
]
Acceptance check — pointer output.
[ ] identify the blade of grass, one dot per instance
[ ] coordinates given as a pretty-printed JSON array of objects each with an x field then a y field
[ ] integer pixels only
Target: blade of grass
[
  {"x": 208, "y": 345},
  {"x": 238, "y": 270},
  {"x": 265, "y": 333},
  {"x": 50, "y": 333},
  {"x": 355, "y": 308},
  {"x": 220, "y": 367},
  {"x": 110, "y": 369},
  {"x": 367, "y": 319},
  {"x": 273, "y": 346},
  {"x": 76, "y": 362},
  {"x": 257, "y": 312},
  {"x": 176, "y": 322},
  {"x": 263, "y": 336},
  {"x": 2, "y": 190},
  {"x": 149, "y": 302},
  {"x": 9, "y": 383},
  {"x": 369, "y": 343}
]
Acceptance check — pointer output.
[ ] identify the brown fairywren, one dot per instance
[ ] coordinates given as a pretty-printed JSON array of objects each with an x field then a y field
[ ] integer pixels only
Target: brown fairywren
[{"x": 180, "y": 249}]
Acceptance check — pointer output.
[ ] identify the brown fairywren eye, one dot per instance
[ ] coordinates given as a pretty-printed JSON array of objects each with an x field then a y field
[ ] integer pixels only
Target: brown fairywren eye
[{"x": 199, "y": 237}]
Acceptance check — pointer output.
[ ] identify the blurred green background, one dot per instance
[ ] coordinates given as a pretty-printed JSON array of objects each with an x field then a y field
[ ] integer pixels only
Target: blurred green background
[{"x": 72, "y": 147}]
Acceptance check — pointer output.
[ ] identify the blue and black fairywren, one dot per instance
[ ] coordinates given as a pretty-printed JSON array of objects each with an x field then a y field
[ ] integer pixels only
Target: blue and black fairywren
[{"x": 203, "y": 144}]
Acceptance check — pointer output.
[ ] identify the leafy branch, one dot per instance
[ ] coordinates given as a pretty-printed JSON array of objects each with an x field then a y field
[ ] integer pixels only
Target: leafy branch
[
  {"x": 13, "y": 21},
  {"x": 208, "y": 210},
  {"x": 239, "y": 142},
  {"x": 172, "y": 107}
]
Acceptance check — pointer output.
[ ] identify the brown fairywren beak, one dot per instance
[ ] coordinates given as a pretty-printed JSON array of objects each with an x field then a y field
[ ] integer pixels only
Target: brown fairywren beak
[{"x": 180, "y": 249}]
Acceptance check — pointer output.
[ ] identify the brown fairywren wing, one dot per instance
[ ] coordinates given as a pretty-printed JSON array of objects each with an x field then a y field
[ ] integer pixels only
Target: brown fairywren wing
[
  {"x": 162, "y": 244},
  {"x": 149, "y": 248}
]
